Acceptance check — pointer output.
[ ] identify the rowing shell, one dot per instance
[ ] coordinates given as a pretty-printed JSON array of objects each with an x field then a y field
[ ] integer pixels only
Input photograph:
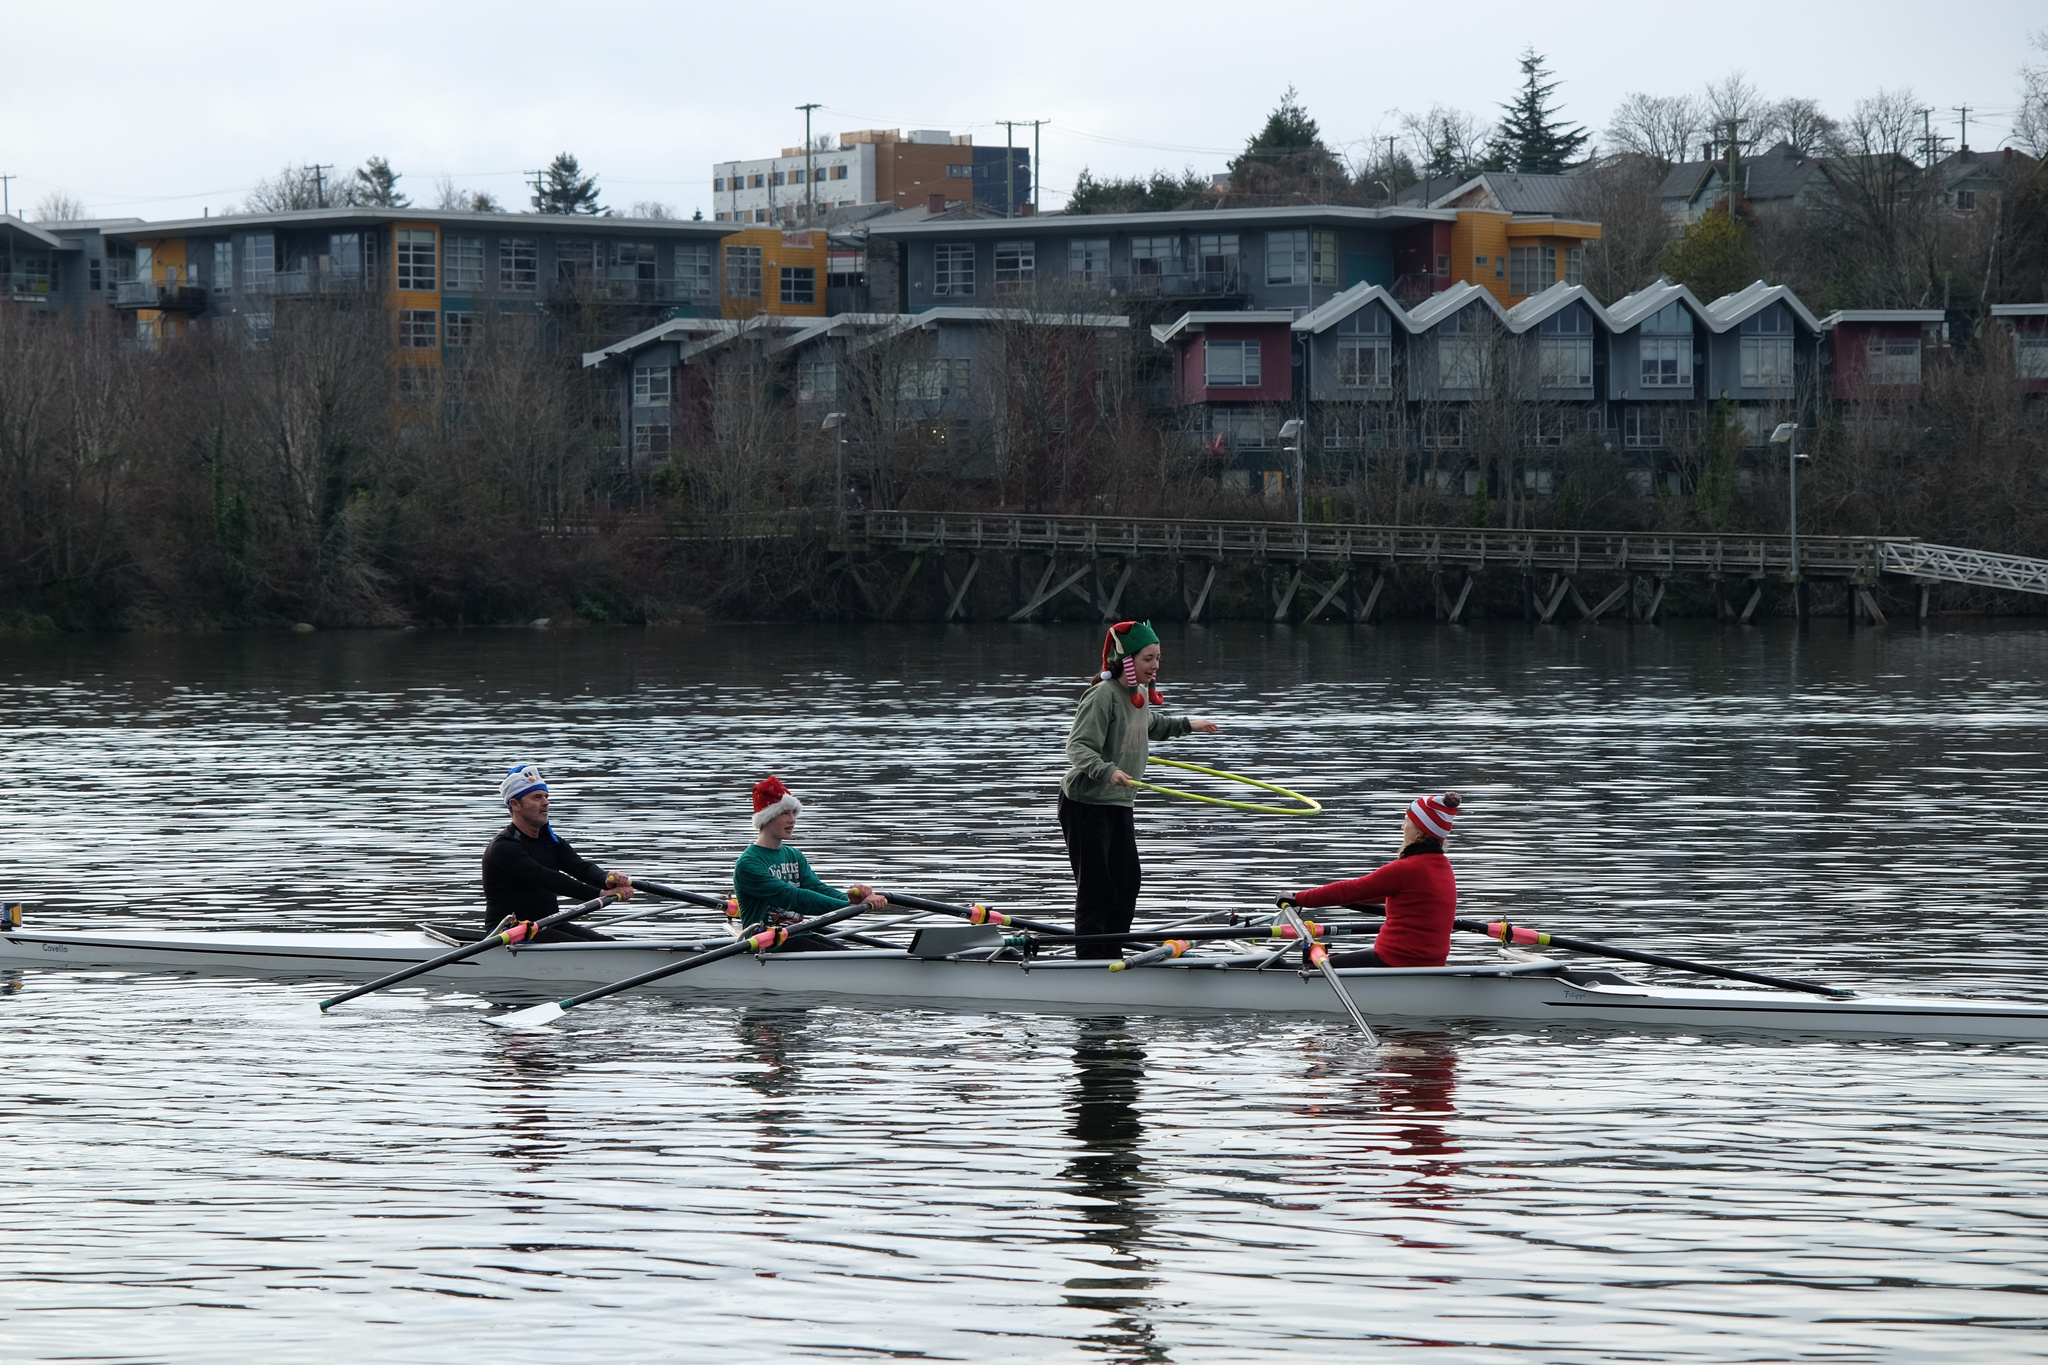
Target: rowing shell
[{"x": 1521, "y": 992}]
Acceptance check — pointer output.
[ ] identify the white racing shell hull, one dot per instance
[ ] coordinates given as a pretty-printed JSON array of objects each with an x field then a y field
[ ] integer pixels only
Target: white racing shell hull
[{"x": 1513, "y": 992}]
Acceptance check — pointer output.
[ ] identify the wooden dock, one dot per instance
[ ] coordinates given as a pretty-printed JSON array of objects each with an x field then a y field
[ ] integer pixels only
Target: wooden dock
[{"x": 1320, "y": 569}]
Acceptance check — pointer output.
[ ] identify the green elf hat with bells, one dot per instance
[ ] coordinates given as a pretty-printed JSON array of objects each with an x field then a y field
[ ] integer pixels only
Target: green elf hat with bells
[{"x": 1120, "y": 658}]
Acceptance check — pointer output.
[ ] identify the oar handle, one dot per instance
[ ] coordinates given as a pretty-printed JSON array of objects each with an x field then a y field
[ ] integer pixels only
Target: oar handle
[
  {"x": 518, "y": 933},
  {"x": 1515, "y": 933},
  {"x": 975, "y": 914},
  {"x": 673, "y": 893},
  {"x": 754, "y": 943}
]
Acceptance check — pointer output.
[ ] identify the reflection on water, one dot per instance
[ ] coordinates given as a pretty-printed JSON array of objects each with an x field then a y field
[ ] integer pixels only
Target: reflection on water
[{"x": 200, "y": 1167}]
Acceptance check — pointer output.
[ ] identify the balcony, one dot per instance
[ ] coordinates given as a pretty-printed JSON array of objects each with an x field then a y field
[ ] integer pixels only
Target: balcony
[
  {"x": 1171, "y": 284},
  {"x": 168, "y": 298},
  {"x": 27, "y": 286},
  {"x": 310, "y": 282},
  {"x": 665, "y": 292}
]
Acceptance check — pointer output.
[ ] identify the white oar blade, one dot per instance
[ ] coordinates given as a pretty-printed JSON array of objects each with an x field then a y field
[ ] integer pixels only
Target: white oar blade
[{"x": 540, "y": 1016}]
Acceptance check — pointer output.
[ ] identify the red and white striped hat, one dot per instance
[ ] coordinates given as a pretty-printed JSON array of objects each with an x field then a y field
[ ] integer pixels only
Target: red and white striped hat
[{"x": 1435, "y": 814}]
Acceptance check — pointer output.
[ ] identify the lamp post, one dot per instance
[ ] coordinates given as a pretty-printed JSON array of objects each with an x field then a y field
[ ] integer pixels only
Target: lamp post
[
  {"x": 1787, "y": 436},
  {"x": 835, "y": 423},
  {"x": 1294, "y": 427}
]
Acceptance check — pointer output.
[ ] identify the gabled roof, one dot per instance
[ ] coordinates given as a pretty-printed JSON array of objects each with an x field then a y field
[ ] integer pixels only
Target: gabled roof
[
  {"x": 1559, "y": 296},
  {"x": 1684, "y": 179},
  {"x": 1921, "y": 315},
  {"x": 1731, "y": 310},
  {"x": 1327, "y": 315},
  {"x": 1441, "y": 305},
  {"x": 1514, "y": 192},
  {"x": 690, "y": 331},
  {"x": 1626, "y": 313},
  {"x": 1165, "y": 332}
]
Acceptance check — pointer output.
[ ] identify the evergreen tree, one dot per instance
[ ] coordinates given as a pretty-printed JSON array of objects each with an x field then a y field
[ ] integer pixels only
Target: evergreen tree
[
  {"x": 1531, "y": 136},
  {"x": 564, "y": 188},
  {"x": 1714, "y": 256},
  {"x": 1287, "y": 154},
  {"x": 375, "y": 185},
  {"x": 1162, "y": 192}
]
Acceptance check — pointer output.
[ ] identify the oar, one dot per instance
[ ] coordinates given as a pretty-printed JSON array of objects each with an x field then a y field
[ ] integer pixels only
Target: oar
[
  {"x": 517, "y": 933},
  {"x": 1515, "y": 933},
  {"x": 975, "y": 914},
  {"x": 761, "y": 942},
  {"x": 1173, "y": 947},
  {"x": 1320, "y": 955},
  {"x": 689, "y": 897},
  {"x": 1256, "y": 931}
]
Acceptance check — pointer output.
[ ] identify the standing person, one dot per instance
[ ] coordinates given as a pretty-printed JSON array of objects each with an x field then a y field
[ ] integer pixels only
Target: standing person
[
  {"x": 1107, "y": 746},
  {"x": 1418, "y": 886},
  {"x": 773, "y": 880},
  {"x": 528, "y": 865}
]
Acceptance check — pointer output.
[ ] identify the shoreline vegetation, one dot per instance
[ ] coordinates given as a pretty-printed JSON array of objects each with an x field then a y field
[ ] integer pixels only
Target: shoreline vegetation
[{"x": 213, "y": 484}]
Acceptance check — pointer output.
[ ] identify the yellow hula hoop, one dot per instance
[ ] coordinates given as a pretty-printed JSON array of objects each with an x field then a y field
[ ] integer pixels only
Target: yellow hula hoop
[{"x": 1309, "y": 805}]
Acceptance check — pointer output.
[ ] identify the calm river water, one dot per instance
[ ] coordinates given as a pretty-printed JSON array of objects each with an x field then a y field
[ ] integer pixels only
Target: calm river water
[{"x": 202, "y": 1170}]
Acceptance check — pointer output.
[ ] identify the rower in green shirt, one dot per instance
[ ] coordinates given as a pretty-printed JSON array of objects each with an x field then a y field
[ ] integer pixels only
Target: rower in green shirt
[{"x": 774, "y": 881}]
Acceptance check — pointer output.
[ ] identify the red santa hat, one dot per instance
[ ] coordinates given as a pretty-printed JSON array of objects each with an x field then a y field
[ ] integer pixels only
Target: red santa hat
[
  {"x": 771, "y": 799},
  {"x": 1435, "y": 815}
]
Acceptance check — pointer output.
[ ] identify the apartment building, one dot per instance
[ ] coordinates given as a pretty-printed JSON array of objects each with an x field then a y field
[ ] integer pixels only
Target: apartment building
[
  {"x": 873, "y": 166},
  {"x": 441, "y": 274},
  {"x": 1516, "y": 234},
  {"x": 60, "y": 269},
  {"x": 773, "y": 271}
]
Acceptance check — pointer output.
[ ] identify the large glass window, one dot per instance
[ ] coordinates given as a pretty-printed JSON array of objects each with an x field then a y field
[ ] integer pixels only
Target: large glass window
[
  {"x": 953, "y": 269},
  {"x": 1287, "y": 257},
  {"x": 418, "y": 329},
  {"x": 1461, "y": 350},
  {"x": 630, "y": 265},
  {"x": 223, "y": 281},
  {"x": 817, "y": 381},
  {"x": 1525, "y": 270},
  {"x": 345, "y": 255},
  {"x": 1565, "y": 349},
  {"x": 1016, "y": 267},
  {"x": 652, "y": 385},
  {"x": 934, "y": 381},
  {"x": 1216, "y": 253},
  {"x": 743, "y": 272},
  {"x": 518, "y": 265},
  {"x": 1323, "y": 257},
  {"x": 1230, "y": 364},
  {"x": 799, "y": 284},
  {"x": 1892, "y": 360},
  {"x": 465, "y": 265},
  {"x": 1575, "y": 265},
  {"x": 1767, "y": 349},
  {"x": 1665, "y": 345},
  {"x": 696, "y": 271},
  {"x": 415, "y": 257},
  {"x": 1155, "y": 255},
  {"x": 575, "y": 260},
  {"x": 460, "y": 328},
  {"x": 259, "y": 260},
  {"x": 1365, "y": 352},
  {"x": 1088, "y": 260},
  {"x": 2030, "y": 355}
]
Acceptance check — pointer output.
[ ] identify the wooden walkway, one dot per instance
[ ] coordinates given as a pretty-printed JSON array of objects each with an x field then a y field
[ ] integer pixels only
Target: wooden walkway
[{"x": 1336, "y": 563}]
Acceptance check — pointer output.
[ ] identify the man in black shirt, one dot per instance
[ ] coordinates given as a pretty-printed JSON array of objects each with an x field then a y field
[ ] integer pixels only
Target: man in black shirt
[{"x": 528, "y": 865}]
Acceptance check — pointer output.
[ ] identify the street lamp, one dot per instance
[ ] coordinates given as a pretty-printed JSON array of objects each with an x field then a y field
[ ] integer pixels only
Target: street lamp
[
  {"x": 834, "y": 422},
  {"x": 1293, "y": 427},
  {"x": 1785, "y": 436}
]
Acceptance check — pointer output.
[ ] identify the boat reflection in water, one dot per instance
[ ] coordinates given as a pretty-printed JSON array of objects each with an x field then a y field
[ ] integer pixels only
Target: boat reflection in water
[
  {"x": 1398, "y": 1106},
  {"x": 1108, "y": 1168},
  {"x": 526, "y": 1070}
]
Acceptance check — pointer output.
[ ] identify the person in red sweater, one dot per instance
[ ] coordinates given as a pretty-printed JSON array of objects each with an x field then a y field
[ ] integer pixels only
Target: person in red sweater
[{"x": 1418, "y": 887}]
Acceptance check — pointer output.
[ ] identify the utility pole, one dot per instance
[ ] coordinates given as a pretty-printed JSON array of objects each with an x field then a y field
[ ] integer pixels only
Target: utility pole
[
  {"x": 810, "y": 168},
  {"x": 1035, "y": 125},
  {"x": 7, "y": 196},
  {"x": 1009, "y": 168},
  {"x": 1963, "y": 113},
  {"x": 319, "y": 184},
  {"x": 1734, "y": 131},
  {"x": 1926, "y": 135},
  {"x": 539, "y": 199}
]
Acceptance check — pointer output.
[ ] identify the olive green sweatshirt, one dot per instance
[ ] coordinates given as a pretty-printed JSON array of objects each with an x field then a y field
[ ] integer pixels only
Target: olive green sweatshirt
[{"x": 1109, "y": 733}]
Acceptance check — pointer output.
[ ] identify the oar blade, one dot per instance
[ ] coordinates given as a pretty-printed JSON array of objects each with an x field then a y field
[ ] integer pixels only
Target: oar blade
[{"x": 539, "y": 1016}]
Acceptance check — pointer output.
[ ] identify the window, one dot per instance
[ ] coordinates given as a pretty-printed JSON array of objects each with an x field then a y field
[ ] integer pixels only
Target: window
[
  {"x": 959, "y": 171},
  {"x": 575, "y": 261},
  {"x": 1016, "y": 267},
  {"x": 1088, "y": 260},
  {"x": 1461, "y": 350},
  {"x": 257, "y": 326},
  {"x": 259, "y": 264},
  {"x": 461, "y": 327},
  {"x": 754, "y": 182},
  {"x": 775, "y": 177},
  {"x": 417, "y": 329},
  {"x": 934, "y": 381},
  {"x": 1500, "y": 267},
  {"x": 1767, "y": 349},
  {"x": 743, "y": 272},
  {"x": 1575, "y": 265},
  {"x": 416, "y": 383},
  {"x": 518, "y": 265},
  {"x": 345, "y": 255},
  {"x": 416, "y": 259},
  {"x": 1443, "y": 429},
  {"x": 695, "y": 270},
  {"x": 1216, "y": 253},
  {"x": 1892, "y": 360},
  {"x": 651, "y": 440},
  {"x": 1443, "y": 266},
  {"x": 1565, "y": 349},
  {"x": 1230, "y": 364},
  {"x": 817, "y": 381},
  {"x": 1527, "y": 272},
  {"x": 1155, "y": 256},
  {"x": 1665, "y": 347},
  {"x": 465, "y": 265},
  {"x": 1966, "y": 201},
  {"x": 953, "y": 269},
  {"x": 760, "y": 215},
  {"x": 799, "y": 284},
  {"x": 1365, "y": 352},
  {"x": 839, "y": 172},
  {"x": 717, "y": 184},
  {"x": 652, "y": 385},
  {"x": 1560, "y": 426},
  {"x": 1287, "y": 257},
  {"x": 1239, "y": 428},
  {"x": 223, "y": 281},
  {"x": 1651, "y": 428},
  {"x": 630, "y": 270},
  {"x": 92, "y": 274},
  {"x": 2030, "y": 355},
  {"x": 1323, "y": 257}
]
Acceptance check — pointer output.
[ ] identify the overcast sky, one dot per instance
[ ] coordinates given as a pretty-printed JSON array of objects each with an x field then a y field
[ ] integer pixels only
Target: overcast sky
[{"x": 143, "y": 111}]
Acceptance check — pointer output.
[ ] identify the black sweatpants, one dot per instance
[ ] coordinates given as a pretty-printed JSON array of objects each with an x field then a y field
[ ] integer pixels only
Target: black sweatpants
[{"x": 1102, "y": 846}]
